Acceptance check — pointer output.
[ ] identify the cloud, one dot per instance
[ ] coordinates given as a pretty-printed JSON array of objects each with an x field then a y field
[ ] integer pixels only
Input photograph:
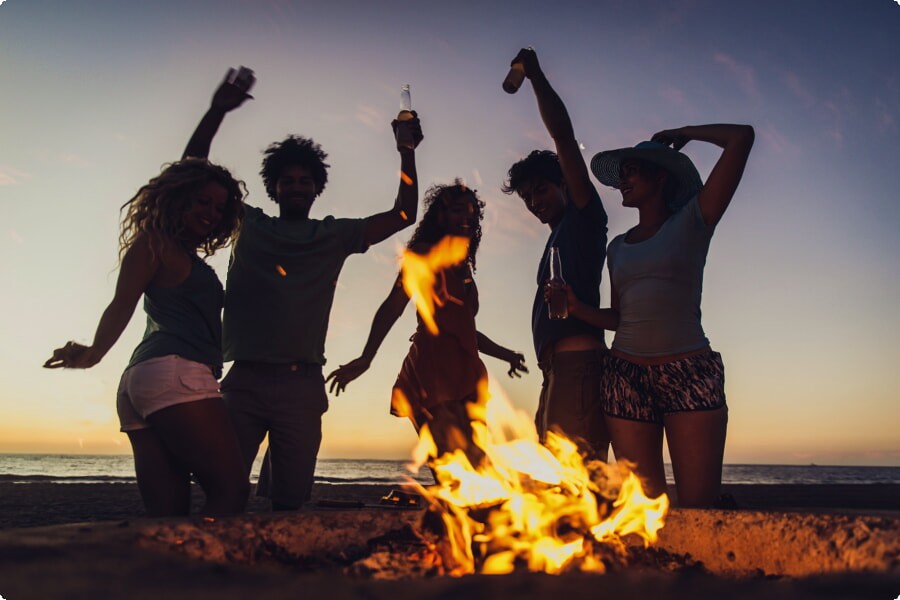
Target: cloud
[
  {"x": 799, "y": 90},
  {"x": 886, "y": 122},
  {"x": 775, "y": 140},
  {"x": 507, "y": 222},
  {"x": 743, "y": 74},
  {"x": 674, "y": 96},
  {"x": 476, "y": 174},
  {"x": 370, "y": 116},
  {"x": 12, "y": 176},
  {"x": 14, "y": 235},
  {"x": 76, "y": 160},
  {"x": 836, "y": 131}
]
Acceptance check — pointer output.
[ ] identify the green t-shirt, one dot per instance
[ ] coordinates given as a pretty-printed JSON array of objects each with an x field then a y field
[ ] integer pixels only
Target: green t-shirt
[{"x": 280, "y": 286}]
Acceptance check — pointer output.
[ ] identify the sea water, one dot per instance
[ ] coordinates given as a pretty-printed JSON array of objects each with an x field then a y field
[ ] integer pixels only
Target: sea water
[{"x": 82, "y": 468}]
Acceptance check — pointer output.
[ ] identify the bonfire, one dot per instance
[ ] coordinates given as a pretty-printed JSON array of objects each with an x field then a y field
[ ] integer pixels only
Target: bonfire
[{"x": 526, "y": 505}]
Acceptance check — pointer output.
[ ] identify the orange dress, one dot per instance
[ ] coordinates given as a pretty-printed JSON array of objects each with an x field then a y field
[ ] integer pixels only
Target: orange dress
[{"x": 443, "y": 368}]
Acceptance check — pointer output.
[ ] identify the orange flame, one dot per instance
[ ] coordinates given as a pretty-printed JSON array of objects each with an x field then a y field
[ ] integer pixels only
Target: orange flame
[
  {"x": 419, "y": 274},
  {"x": 542, "y": 500}
]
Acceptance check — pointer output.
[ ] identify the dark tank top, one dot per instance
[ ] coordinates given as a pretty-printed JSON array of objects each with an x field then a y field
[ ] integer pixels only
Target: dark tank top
[{"x": 185, "y": 320}]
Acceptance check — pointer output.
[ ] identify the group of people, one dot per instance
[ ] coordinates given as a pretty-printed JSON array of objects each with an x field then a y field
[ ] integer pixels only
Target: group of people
[{"x": 660, "y": 375}]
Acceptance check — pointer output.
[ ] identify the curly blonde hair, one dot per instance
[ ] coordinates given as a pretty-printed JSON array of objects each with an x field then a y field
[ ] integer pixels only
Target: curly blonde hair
[{"x": 159, "y": 206}]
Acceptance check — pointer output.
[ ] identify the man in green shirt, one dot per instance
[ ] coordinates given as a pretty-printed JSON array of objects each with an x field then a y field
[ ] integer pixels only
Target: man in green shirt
[{"x": 278, "y": 297}]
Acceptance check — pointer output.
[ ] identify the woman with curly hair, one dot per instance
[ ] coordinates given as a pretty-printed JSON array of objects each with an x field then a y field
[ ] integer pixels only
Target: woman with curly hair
[
  {"x": 168, "y": 400},
  {"x": 440, "y": 375}
]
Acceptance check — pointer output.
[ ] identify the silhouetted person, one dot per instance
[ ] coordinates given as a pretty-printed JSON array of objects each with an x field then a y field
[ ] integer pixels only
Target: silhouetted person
[
  {"x": 168, "y": 400},
  {"x": 278, "y": 297},
  {"x": 557, "y": 189},
  {"x": 662, "y": 375},
  {"x": 441, "y": 373}
]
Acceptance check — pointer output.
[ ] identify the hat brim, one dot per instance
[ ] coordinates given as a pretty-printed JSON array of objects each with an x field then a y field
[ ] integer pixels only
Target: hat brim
[{"x": 605, "y": 167}]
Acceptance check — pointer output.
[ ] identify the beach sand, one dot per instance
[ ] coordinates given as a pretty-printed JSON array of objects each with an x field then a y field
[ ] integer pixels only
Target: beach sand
[
  {"x": 101, "y": 560},
  {"x": 40, "y": 504}
]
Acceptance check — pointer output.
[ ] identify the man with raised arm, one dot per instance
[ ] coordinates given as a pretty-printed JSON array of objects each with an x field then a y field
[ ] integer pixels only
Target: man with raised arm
[
  {"x": 279, "y": 291},
  {"x": 557, "y": 189}
]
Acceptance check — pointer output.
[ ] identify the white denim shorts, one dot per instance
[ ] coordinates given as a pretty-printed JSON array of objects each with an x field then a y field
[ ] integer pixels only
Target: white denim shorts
[{"x": 158, "y": 383}]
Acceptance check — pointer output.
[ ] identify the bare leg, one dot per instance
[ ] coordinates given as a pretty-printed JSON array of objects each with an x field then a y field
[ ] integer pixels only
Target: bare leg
[
  {"x": 165, "y": 485},
  {"x": 697, "y": 447},
  {"x": 201, "y": 436},
  {"x": 641, "y": 444}
]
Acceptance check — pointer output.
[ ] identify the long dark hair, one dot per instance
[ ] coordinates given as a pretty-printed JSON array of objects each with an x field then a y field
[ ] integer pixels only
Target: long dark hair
[{"x": 429, "y": 231}]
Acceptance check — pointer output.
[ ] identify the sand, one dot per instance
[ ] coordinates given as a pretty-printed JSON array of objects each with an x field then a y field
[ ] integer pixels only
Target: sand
[
  {"x": 101, "y": 560},
  {"x": 41, "y": 504}
]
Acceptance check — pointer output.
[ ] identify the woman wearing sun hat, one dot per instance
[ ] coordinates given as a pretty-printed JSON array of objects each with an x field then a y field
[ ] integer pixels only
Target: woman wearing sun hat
[{"x": 661, "y": 374}]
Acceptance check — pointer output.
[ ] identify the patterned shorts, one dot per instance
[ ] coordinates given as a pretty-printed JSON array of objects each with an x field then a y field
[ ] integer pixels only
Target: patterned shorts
[{"x": 648, "y": 392}]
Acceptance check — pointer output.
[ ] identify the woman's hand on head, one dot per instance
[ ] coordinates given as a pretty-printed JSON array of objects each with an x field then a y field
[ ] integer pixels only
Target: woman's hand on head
[
  {"x": 671, "y": 137},
  {"x": 344, "y": 374},
  {"x": 72, "y": 356}
]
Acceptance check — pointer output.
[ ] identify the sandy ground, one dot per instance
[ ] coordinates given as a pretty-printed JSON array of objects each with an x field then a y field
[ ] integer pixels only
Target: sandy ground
[
  {"x": 40, "y": 504},
  {"x": 101, "y": 560}
]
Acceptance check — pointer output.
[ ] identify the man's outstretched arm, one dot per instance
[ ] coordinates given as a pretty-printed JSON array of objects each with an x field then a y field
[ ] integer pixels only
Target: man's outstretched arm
[
  {"x": 383, "y": 225},
  {"x": 226, "y": 98},
  {"x": 559, "y": 126}
]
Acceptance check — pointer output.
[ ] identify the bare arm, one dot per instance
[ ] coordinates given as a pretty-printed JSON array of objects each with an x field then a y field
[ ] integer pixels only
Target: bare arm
[
  {"x": 383, "y": 225},
  {"x": 385, "y": 317},
  {"x": 226, "y": 98},
  {"x": 736, "y": 142},
  {"x": 516, "y": 360},
  {"x": 139, "y": 266},
  {"x": 559, "y": 126}
]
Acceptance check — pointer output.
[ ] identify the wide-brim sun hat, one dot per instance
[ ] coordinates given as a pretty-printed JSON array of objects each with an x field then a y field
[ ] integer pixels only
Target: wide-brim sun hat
[{"x": 605, "y": 167}]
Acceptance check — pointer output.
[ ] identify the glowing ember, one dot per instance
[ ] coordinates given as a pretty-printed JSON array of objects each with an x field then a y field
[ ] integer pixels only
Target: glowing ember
[
  {"x": 406, "y": 178},
  {"x": 280, "y": 270},
  {"x": 531, "y": 506},
  {"x": 419, "y": 275}
]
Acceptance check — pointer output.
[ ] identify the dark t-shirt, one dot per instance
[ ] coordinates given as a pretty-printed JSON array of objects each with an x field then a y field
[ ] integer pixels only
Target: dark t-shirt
[{"x": 581, "y": 238}]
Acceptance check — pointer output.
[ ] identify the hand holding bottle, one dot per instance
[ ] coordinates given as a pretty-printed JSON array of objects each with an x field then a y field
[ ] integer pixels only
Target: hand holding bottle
[{"x": 523, "y": 65}]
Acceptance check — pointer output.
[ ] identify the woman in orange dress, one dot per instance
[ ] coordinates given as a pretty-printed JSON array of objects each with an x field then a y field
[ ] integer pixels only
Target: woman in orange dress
[{"x": 440, "y": 376}]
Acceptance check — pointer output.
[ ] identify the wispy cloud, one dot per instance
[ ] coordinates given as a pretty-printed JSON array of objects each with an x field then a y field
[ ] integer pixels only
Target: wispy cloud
[
  {"x": 507, "y": 222},
  {"x": 886, "y": 121},
  {"x": 793, "y": 83},
  {"x": 743, "y": 74},
  {"x": 370, "y": 116},
  {"x": 775, "y": 140},
  {"x": 674, "y": 96},
  {"x": 12, "y": 176},
  {"x": 76, "y": 160},
  {"x": 476, "y": 175},
  {"x": 835, "y": 132},
  {"x": 14, "y": 235}
]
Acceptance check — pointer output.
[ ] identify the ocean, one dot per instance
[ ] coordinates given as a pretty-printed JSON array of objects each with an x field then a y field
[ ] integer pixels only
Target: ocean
[{"x": 79, "y": 468}]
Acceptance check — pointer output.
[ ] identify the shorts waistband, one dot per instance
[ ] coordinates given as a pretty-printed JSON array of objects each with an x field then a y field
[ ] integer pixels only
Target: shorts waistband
[
  {"x": 570, "y": 356},
  {"x": 302, "y": 368}
]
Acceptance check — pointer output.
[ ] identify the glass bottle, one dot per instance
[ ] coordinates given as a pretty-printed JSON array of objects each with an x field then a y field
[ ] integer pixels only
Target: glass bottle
[
  {"x": 403, "y": 133},
  {"x": 558, "y": 304},
  {"x": 514, "y": 78}
]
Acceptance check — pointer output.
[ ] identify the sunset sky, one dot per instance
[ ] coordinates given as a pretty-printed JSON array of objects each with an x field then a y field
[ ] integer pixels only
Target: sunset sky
[{"x": 801, "y": 288}]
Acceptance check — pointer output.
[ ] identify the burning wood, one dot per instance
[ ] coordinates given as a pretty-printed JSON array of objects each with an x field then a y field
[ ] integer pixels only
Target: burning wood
[{"x": 524, "y": 505}]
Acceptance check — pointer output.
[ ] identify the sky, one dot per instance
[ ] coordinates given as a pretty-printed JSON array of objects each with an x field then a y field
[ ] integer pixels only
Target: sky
[{"x": 801, "y": 288}]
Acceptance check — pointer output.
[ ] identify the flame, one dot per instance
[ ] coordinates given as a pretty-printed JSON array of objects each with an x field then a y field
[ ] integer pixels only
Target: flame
[
  {"x": 419, "y": 275},
  {"x": 527, "y": 504}
]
